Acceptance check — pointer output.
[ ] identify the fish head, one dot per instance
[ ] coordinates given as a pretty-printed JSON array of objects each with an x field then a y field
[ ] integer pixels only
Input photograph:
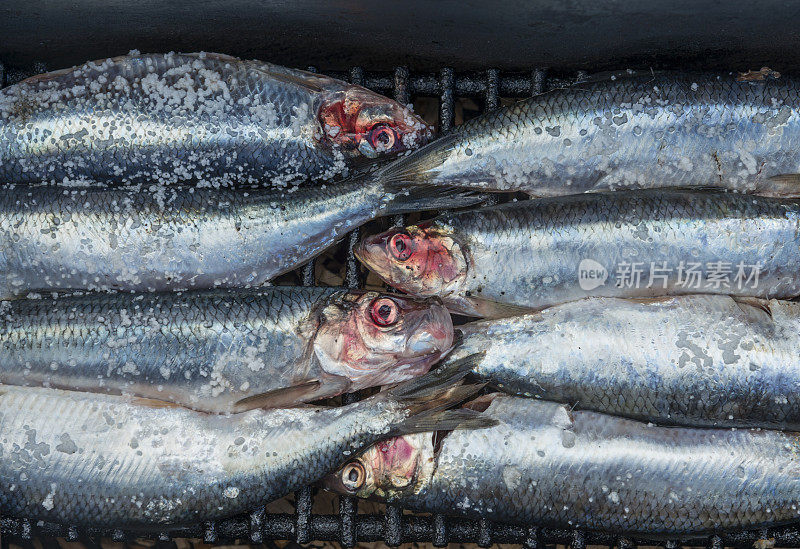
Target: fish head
[
  {"x": 423, "y": 260},
  {"x": 386, "y": 470},
  {"x": 374, "y": 339},
  {"x": 364, "y": 124}
]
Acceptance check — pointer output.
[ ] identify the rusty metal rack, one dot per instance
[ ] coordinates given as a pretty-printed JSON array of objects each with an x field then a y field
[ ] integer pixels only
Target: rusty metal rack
[{"x": 393, "y": 526}]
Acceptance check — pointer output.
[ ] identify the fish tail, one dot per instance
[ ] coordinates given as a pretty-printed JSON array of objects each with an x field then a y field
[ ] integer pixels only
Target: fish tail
[{"x": 427, "y": 400}]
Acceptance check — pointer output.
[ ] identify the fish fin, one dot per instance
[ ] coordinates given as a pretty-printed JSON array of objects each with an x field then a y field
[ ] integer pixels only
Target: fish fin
[
  {"x": 486, "y": 308},
  {"x": 754, "y": 302},
  {"x": 414, "y": 199},
  {"x": 607, "y": 76},
  {"x": 481, "y": 403},
  {"x": 302, "y": 79},
  {"x": 438, "y": 380},
  {"x": 416, "y": 168},
  {"x": 154, "y": 403},
  {"x": 280, "y": 398},
  {"x": 442, "y": 420},
  {"x": 786, "y": 185},
  {"x": 427, "y": 398}
]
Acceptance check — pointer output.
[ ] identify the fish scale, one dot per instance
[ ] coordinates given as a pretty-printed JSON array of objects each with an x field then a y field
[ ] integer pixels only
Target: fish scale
[
  {"x": 211, "y": 350},
  {"x": 626, "y": 131},
  {"x": 179, "y": 117}
]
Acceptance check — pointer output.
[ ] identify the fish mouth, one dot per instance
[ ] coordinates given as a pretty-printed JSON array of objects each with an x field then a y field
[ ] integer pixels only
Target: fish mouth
[{"x": 420, "y": 364}]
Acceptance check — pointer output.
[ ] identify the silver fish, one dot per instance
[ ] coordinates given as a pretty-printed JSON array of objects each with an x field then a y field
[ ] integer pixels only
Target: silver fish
[
  {"x": 199, "y": 117},
  {"x": 178, "y": 237},
  {"x": 222, "y": 351},
  {"x": 546, "y": 465},
  {"x": 698, "y": 360},
  {"x": 537, "y": 253},
  {"x": 626, "y": 132},
  {"x": 102, "y": 460}
]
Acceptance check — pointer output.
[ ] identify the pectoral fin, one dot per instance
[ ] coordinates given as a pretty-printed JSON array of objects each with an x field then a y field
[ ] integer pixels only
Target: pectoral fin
[
  {"x": 486, "y": 308},
  {"x": 786, "y": 185},
  {"x": 281, "y": 398}
]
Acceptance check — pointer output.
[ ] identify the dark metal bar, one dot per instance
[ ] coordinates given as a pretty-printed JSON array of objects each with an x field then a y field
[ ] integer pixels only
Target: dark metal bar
[
  {"x": 537, "y": 81},
  {"x": 348, "y": 508},
  {"x": 578, "y": 540},
  {"x": 439, "y": 530},
  {"x": 303, "y": 512},
  {"x": 393, "y": 534},
  {"x": 257, "y": 524},
  {"x": 531, "y": 540},
  {"x": 357, "y": 76},
  {"x": 308, "y": 273},
  {"x": 492, "y": 89},
  {"x": 401, "y": 94},
  {"x": 484, "y": 533},
  {"x": 210, "y": 534},
  {"x": 352, "y": 274},
  {"x": 447, "y": 107}
]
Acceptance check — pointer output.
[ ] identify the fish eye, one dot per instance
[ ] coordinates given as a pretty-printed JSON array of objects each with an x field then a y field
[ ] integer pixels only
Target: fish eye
[
  {"x": 353, "y": 476},
  {"x": 384, "y": 311},
  {"x": 382, "y": 137},
  {"x": 401, "y": 246}
]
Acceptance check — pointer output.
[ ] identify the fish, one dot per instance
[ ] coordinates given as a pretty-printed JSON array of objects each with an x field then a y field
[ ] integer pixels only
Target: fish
[
  {"x": 626, "y": 131},
  {"x": 158, "y": 238},
  {"x": 694, "y": 360},
  {"x": 206, "y": 118},
  {"x": 548, "y": 465},
  {"x": 524, "y": 256},
  {"x": 97, "y": 460},
  {"x": 222, "y": 351}
]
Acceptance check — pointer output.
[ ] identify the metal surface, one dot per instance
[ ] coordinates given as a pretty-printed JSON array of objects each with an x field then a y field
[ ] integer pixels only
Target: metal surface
[
  {"x": 507, "y": 34},
  {"x": 393, "y": 526}
]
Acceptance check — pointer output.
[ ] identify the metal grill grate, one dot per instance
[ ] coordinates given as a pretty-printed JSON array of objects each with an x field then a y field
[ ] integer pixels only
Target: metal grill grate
[{"x": 393, "y": 526}]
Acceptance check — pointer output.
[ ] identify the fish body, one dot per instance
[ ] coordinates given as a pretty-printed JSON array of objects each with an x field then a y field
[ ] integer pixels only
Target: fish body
[
  {"x": 217, "y": 350},
  {"x": 179, "y": 237},
  {"x": 634, "y": 244},
  {"x": 626, "y": 132},
  {"x": 697, "y": 360},
  {"x": 546, "y": 465},
  {"x": 197, "y": 117},
  {"x": 100, "y": 460}
]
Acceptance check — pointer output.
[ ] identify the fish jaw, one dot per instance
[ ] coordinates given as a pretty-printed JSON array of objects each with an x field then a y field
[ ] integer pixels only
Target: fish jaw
[
  {"x": 363, "y": 124},
  {"x": 421, "y": 260}
]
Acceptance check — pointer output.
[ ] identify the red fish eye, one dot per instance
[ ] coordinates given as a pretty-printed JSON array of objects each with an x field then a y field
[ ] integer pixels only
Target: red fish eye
[
  {"x": 400, "y": 245},
  {"x": 382, "y": 137},
  {"x": 384, "y": 311}
]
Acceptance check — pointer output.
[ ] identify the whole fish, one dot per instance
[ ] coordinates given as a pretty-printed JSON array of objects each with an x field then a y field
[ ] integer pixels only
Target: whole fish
[
  {"x": 546, "y": 465},
  {"x": 626, "y": 132},
  {"x": 698, "y": 360},
  {"x": 179, "y": 237},
  {"x": 537, "y": 253},
  {"x": 221, "y": 351},
  {"x": 101, "y": 460},
  {"x": 200, "y": 117}
]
